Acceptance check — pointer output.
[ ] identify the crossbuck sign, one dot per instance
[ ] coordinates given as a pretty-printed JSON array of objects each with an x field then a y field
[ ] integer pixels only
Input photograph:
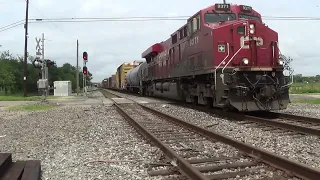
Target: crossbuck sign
[{"x": 38, "y": 48}]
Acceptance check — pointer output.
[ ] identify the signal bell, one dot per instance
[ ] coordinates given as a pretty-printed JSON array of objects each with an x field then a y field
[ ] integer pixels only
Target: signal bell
[
  {"x": 85, "y": 70},
  {"x": 85, "y": 56}
]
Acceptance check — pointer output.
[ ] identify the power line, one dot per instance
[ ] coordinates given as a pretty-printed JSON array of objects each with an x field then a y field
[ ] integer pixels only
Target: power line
[
  {"x": 106, "y": 20},
  {"x": 11, "y": 27},
  {"x": 51, "y": 21},
  {"x": 134, "y": 19},
  {"x": 166, "y": 17},
  {"x": 12, "y": 24}
]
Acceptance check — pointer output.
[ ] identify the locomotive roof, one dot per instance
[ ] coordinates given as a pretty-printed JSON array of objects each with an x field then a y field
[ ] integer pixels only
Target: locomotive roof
[{"x": 230, "y": 8}]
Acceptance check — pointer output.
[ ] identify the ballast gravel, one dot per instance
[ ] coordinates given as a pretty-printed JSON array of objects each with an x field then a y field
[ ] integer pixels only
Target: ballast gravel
[
  {"x": 303, "y": 109},
  {"x": 303, "y": 149},
  {"x": 77, "y": 142}
]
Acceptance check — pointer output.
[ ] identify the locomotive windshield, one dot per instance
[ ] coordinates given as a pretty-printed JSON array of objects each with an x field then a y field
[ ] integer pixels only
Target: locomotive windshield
[
  {"x": 245, "y": 16},
  {"x": 217, "y": 17}
]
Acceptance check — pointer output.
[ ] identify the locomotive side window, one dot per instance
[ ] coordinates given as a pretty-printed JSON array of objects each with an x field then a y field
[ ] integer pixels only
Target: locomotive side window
[
  {"x": 174, "y": 39},
  {"x": 219, "y": 17},
  {"x": 245, "y": 16},
  {"x": 194, "y": 24},
  {"x": 241, "y": 29}
]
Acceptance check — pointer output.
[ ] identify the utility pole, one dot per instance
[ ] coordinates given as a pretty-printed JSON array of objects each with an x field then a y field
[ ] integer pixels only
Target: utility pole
[
  {"x": 224, "y": 1},
  {"x": 77, "y": 67},
  {"x": 26, "y": 50}
]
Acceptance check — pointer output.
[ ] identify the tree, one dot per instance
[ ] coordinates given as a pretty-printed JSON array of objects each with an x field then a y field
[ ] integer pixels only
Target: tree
[{"x": 11, "y": 74}]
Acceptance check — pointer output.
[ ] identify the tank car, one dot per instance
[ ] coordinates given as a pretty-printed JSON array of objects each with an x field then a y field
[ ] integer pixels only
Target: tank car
[
  {"x": 135, "y": 77},
  {"x": 224, "y": 56}
]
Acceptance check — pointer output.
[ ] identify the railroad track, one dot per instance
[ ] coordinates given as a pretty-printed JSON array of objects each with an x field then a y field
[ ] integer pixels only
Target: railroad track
[
  {"x": 178, "y": 141},
  {"x": 279, "y": 123},
  {"x": 293, "y": 123}
]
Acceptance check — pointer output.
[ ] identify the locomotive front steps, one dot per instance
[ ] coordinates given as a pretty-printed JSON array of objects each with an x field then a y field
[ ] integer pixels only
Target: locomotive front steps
[{"x": 19, "y": 170}]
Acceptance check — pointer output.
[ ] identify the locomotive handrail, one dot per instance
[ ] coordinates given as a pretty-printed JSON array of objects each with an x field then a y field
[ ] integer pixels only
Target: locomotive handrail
[
  {"x": 229, "y": 62},
  {"x": 289, "y": 84},
  {"x": 215, "y": 71}
]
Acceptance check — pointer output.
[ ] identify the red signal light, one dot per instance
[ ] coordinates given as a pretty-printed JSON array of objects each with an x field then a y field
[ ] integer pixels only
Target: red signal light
[
  {"x": 85, "y": 56},
  {"x": 85, "y": 70}
]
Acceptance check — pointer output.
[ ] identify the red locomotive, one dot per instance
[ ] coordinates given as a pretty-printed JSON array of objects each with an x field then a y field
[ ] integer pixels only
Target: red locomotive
[{"x": 224, "y": 56}]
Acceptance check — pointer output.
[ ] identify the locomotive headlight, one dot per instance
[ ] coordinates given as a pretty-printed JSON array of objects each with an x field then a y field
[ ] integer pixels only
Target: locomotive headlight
[
  {"x": 245, "y": 61},
  {"x": 252, "y": 28},
  {"x": 280, "y": 62}
]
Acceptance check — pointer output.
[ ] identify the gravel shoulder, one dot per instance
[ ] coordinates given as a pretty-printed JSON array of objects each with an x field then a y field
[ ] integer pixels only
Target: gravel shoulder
[
  {"x": 68, "y": 138},
  {"x": 304, "y": 149},
  {"x": 303, "y": 109}
]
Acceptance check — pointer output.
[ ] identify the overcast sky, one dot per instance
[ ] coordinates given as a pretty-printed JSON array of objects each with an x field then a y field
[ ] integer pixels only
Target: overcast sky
[{"x": 111, "y": 43}]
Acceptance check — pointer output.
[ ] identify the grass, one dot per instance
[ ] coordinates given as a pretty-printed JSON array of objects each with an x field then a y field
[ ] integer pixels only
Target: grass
[
  {"x": 21, "y": 98},
  {"x": 304, "y": 88},
  {"x": 31, "y": 107},
  {"x": 308, "y": 101}
]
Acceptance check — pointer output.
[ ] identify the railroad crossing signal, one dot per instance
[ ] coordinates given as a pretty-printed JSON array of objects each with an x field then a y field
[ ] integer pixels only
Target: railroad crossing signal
[
  {"x": 50, "y": 63},
  {"x": 85, "y": 56},
  {"x": 37, "y": 63},
  {"x": 85, "y": 70}
]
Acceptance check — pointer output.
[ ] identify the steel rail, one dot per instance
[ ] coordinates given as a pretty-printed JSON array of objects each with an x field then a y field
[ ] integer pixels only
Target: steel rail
[
  {"x": 297, "y": 128},
  {"x": 185, "y": 167},
  {"x": 298, "y": 169},
  {"x": 295, "y": 117},
  {"x": 252, "y": 118}
]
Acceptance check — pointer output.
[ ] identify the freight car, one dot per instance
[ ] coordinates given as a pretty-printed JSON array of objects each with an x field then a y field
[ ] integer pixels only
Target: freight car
[
  {"x": 105, "y": 83},
  {"x": 122, "y": 71},
  {"x": 224, "y": 56}
]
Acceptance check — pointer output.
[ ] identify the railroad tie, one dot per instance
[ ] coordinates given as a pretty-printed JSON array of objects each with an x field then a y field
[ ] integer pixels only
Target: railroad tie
[{"x": 19, "y": 170}]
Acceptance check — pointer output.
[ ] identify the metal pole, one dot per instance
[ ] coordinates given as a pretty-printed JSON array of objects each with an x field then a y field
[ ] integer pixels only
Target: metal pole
[
  {"x": 83, "y": 79},
  {"x": 77, "y": 68},
  {"x": 26, "y": 50},
  {"x": 44, "y": 67},
  {"x": 224, "y": 1}
]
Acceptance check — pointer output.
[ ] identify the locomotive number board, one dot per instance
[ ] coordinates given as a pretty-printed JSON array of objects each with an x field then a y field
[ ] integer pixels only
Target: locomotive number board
[
  {"x": 246, "y": 8},
  {"x": 222, "y": 7}
]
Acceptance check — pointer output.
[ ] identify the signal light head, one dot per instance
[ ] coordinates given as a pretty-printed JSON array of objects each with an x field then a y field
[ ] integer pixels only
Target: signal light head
[
  {"x": 50, "y": 63},
  {"x": 37, "y": 63},
  {"x": 85, "y": 70},
  {"x": 85, "y": 56}
]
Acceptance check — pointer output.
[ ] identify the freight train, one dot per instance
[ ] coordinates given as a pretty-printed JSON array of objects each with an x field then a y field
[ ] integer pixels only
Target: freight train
[{"x": 224, "y": 56}]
